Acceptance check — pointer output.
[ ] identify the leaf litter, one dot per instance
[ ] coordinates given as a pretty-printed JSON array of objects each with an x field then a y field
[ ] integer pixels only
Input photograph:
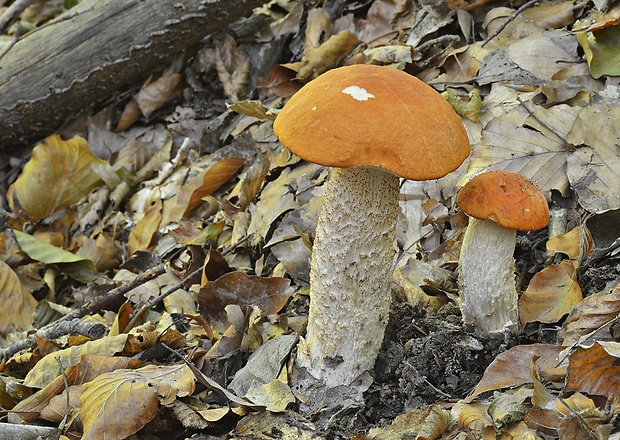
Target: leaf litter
[{"x": 193, "y": 186}]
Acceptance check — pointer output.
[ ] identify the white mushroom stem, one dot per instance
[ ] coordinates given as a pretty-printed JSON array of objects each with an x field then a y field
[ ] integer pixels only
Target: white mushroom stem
[
  {"x": 489, "y": 300},
  {"x": 350, "y": 275}
]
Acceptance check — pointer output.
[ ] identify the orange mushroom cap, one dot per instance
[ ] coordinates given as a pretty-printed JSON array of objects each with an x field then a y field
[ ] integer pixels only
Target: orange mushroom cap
[
  {"x": 374, "y": 115},
  {"x": 509, "y": 199}
]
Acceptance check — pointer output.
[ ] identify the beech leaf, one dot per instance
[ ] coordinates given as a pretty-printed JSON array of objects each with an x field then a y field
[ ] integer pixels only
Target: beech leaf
[{"x": 57, "y": 176}]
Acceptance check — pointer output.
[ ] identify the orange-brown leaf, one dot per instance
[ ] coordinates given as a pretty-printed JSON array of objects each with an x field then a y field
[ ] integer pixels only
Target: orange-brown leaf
[
  {"x": 595, "y": 370},
  {"x": 552, "y": 293}
]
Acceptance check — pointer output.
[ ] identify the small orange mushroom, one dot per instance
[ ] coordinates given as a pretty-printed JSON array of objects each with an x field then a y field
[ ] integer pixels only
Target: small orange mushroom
[{"x": 499, "y": 203}]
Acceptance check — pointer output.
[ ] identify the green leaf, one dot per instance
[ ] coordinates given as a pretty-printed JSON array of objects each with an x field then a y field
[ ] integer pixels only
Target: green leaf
[{"x": 78, "y": 268}]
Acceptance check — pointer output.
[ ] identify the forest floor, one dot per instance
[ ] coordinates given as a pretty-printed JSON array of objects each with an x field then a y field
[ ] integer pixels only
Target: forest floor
[{"x": 174, "y": 223}]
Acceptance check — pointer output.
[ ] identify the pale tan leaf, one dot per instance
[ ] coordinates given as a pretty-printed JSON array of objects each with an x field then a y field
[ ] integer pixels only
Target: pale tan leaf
[
  {"x": 428, "y": 422},
  {"x": 142, "y": 233},
  {"x": 88, "y": 367},
  {"x": 552, "y": 293},
  {"x": 20, "y": 314},
  {"x": 63, "y": 169},
  {"x": 544, "y": 54},
  {"x": 590, "y": 315},
  {"x": 275, "y": 396},
  {"x": 508, "y": 143},
  {"x": 556, "y": 15},
  {"x": 593, "y": 167},
  {"x": 473, "y": 417}
]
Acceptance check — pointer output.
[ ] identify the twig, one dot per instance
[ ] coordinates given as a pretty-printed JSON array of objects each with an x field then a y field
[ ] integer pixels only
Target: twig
[
  {"x": 213, "y": 385},
  {"x": 178, "y": 286},
  {"x": 13, "y": 11},
  {"x": 511, "y": 19},
  {"x": 443, "y": 39},
  {"x": 113, "y": 295},
  {"x": 474, "y": 5},
  {"x": 93, "y": 330}
]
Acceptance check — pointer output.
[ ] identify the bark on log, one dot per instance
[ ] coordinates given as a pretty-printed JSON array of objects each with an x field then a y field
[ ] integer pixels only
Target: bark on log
[{"x": 51, "y": 75}]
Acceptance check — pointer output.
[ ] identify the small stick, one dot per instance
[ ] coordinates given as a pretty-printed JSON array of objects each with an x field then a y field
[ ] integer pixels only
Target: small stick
[{"x": 13, "y": 11}]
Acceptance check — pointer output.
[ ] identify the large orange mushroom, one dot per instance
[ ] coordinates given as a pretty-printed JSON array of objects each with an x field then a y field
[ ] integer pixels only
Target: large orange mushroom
[
  {"x": 373, "y": 124},
  {"x": 499, "y": 203}
]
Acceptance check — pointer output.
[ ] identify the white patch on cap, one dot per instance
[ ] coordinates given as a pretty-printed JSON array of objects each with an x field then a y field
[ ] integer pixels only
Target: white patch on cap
[{"x": 358, "y": 93}]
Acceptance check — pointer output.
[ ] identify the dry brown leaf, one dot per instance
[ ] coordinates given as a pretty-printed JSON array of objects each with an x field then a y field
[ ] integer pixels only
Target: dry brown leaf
[
  {"x": 379, "y": 24},
  {"x": 552, "y": 293},
  {"x": 246, "y": 291},
  {"x": 212, "y": 179},
  {"x": 512, "y": 367},
  {"x": 280, "y": 81},
  {"x": 131, "y": 114},
  {"x": 233, "y": 68},
  {"x": 587, "y": 425},
  {"x": 63, "y": 168},
  {"x": 543, "y": 420},
  {"x": 186, "y": 188},
  {"x": 590, "y": 315},
  {"x": 595, "y": 370},
  {"x": 20, "y": 314},
  {"x": 157, "y": 93},
  {"x": 556, "y": 15}
]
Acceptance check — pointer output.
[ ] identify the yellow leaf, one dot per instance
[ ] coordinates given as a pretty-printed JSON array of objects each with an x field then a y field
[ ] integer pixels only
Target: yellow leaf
[
  {"x": 20, "y": 314},
  {"x": 57, "y": 176},
  {"x": 120, "y": 403},
  {"x": 46, "y": 369}
]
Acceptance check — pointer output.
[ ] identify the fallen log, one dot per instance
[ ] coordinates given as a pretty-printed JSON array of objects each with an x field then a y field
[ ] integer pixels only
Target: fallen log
[{"x": 94, "y": 50}]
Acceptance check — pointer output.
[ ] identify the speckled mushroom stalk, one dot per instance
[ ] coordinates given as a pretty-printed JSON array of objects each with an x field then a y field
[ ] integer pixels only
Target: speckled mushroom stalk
[
  {"x": 499, "y": 204},
  {"x": 371, "y": 124},
  {"x": 350, "y": 276}
]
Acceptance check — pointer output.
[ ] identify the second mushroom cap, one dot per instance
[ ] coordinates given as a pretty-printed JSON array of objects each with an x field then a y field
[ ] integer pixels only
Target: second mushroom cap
[{"x": 509, "y": 199}]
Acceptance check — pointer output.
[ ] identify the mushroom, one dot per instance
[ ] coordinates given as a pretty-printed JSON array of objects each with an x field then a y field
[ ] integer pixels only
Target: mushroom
[
  {"x": 372, "y": 124},
  {"x": 499, "y": 203}
]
